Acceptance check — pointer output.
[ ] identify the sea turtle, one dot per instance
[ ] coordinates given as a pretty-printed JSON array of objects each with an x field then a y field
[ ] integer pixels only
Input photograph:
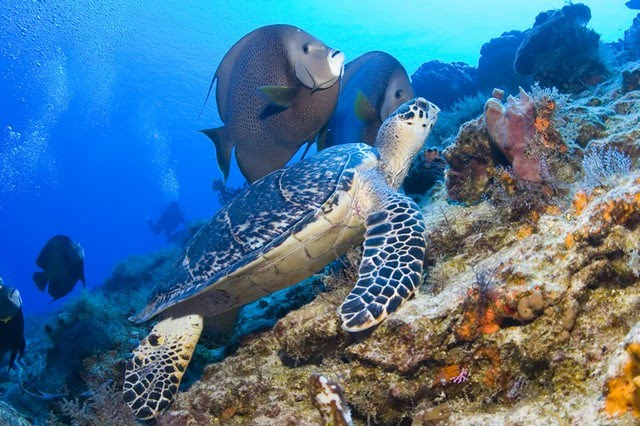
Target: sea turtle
[{"x": 283, "y": 228}]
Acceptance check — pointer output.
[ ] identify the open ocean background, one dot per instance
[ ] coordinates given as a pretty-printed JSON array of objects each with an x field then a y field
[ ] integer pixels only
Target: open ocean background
[{"x": 99, "y": 104}]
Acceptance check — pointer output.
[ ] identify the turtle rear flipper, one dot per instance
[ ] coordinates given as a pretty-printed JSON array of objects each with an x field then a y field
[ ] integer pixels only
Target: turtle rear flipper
[
  {"x": 391, "y": 266},
  {"x": 154, "y": 373}
]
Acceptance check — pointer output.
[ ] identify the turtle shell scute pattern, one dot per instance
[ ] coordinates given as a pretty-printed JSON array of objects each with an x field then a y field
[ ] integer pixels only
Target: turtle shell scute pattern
[{"x": 258, "y": 220}]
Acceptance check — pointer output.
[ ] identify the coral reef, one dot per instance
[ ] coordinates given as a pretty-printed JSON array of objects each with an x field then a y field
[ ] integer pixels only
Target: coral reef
[
  {"x": 9, "y": 416},
  {"x": 528, "y": 313},
  {"x": 630, "y": 80},
  {"x": 559, "y": 51},
  {"x": 631, "y": 41},
  {"x": 449, "y": 122},
  {"x": 444, "y": 84},
  {"x": 622, "y": 382},
  {"x": 225, "y": 193},
  {"x": 510, "y": 146},
  {"x": 518, "y": 322}
]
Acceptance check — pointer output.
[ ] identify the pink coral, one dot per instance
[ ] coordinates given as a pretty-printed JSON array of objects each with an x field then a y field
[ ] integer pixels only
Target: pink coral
[{"x": 511, "y": 128}]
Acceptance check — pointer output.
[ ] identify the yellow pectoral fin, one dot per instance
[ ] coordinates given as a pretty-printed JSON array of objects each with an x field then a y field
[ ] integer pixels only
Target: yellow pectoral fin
[{"x": 6, "y": 319}]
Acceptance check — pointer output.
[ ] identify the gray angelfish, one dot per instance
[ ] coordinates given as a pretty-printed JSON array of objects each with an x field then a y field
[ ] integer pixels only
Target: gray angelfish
[
  {"x": 11, "y": 323},
  {"x": 276, "y": 88},
  {"x": 373, "y": 87},
  {"x": 62, "y": 261}
]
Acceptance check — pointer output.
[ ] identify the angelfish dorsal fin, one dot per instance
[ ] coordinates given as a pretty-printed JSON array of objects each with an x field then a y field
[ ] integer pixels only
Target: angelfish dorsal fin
[
  {"x": 282, "y": 96},
  {"x": 364, "y": 110}
]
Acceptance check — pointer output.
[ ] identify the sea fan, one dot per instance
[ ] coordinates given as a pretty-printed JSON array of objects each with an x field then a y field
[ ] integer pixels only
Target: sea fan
[{"x": 601, "y": 165}]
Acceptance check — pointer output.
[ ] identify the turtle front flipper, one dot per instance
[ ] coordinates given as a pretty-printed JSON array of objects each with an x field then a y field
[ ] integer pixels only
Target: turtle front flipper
[
  {"x": 391, "y": 266},
  {"x": 154, "y": 373}
]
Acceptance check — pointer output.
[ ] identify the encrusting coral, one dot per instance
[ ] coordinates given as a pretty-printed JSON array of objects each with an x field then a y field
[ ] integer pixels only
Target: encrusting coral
[{"x": 622, "y": 383}]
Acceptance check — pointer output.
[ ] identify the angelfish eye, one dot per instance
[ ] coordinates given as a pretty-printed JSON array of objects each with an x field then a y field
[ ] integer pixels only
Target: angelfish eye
[
  {"x": 398, "y": 94},
  {"x": 306, "y": 48}
]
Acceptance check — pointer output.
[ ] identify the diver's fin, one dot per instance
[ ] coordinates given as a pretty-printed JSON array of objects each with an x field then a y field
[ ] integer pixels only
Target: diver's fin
[
  {"x": 223, "y": 149},
  {"x": 282, "y": 96},
  {"x": 40, "y": 278},
  {"x": 364, "y": 110}
]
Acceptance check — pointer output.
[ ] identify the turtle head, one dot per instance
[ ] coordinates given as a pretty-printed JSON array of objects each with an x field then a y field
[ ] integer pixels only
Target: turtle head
[{"x": 402, "y": 135}]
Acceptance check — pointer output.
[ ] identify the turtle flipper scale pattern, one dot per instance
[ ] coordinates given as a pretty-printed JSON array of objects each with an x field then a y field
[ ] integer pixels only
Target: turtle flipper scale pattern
[
  {"x": 154, "y": 373},
  {"x": 391, "y": 266}
]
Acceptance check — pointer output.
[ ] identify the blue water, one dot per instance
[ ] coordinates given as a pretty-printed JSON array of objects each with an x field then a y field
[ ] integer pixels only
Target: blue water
[{"x": 99, "y": 103}]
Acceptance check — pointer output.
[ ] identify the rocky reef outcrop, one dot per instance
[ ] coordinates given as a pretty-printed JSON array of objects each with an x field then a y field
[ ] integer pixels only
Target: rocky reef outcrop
[
  {"x": 445, "y": 83},
  {"x": 631, "y": 40},
  {"x": 560, "y": 51},
  {"x": 495, "y": 66}
]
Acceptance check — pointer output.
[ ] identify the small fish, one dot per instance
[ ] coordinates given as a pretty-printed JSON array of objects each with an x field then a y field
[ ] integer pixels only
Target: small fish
[
  {"x": 374, "y": 85},
  {"x": 11, "y": 323},
  {"x": 276, "y": 88},
  {"x": 62, "y": 260}
]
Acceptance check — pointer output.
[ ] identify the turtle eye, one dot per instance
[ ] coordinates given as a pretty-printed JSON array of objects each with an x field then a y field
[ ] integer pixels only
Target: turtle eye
[
  {"x": 398, "y": 94},
  {"x": 306, "y": 48}
]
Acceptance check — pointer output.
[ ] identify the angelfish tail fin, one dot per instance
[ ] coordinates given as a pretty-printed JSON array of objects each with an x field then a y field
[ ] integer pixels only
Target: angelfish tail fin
[
  {"x": 223, "y": 148},
  {"x": 40, "y": 279}
]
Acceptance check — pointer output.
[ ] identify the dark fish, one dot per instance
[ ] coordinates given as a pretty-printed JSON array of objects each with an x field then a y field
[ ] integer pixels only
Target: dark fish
[
  {"x": 374, "y": 85},
  {"x": 633, "y": 4},
  {"x": 63, "y": 262},
  {"x": 11, "y": 323},
  {"x": 276, "y": 88}
]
